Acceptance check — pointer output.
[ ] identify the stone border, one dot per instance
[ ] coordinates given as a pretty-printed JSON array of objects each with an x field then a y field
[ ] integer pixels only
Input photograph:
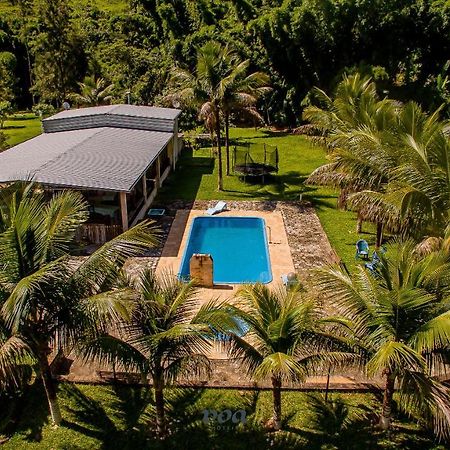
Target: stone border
[{"x": 309, "y": 244}]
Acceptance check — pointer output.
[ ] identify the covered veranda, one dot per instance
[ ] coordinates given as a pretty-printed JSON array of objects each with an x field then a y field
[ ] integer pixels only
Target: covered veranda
[
  {"x": 117, "y": 156},
  {"x": 111, "y": 212}
]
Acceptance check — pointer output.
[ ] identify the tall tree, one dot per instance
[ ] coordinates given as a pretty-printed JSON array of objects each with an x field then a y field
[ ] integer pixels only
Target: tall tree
[
  {"x": 400, "y": 321},
  {"x": 285, "y": 338},
  {"x": 219, "y": 87},
  {"x": 240, "y": 94},
  {"x": 58, "y": 51},
  {"x": 8, "y": 63},
  {"x": 5, "y": 110},
  {"x": 201, "y": 89},
  {"x": 167, "y": 336},
  {"x": 46, "y": 300},
  {"x": 24, "y": 34},
  {"x": 417, "y": 193},
  {"x": 356, "y": 127}
]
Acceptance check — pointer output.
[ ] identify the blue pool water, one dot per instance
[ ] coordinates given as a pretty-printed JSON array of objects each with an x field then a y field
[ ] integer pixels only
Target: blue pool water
[{"x": 238, "y": 246}]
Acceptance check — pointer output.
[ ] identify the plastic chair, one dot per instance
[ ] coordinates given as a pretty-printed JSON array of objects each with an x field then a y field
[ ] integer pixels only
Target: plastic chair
[{"x": 362, "y": 249}]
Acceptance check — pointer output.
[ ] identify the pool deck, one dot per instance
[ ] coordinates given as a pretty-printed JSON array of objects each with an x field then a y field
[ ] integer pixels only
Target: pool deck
[
  {"x": 298, "y": 244},
  {"x": 279, "y": 251}
]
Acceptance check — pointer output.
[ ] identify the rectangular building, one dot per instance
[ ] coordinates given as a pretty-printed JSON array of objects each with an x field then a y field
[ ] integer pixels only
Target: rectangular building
[{"x": 117, "y": 155}]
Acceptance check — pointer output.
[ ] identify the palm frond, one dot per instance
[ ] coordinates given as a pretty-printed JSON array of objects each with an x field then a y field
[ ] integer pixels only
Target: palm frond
[
  {"x": 395, "y": 354},
  {"x": 103, "y": 266},
  {"x": 16, "y": 358},
  {"x": 280, "y": 365},
  {"x": 425, "y": 398},
  {"x": 64, "y": 213},
  {"x": 21, "y": 301},
  {"x": 109, "y": 350}
]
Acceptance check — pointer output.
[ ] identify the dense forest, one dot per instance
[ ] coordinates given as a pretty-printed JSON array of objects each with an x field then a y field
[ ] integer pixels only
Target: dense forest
[{"x": 48, "y": 47}]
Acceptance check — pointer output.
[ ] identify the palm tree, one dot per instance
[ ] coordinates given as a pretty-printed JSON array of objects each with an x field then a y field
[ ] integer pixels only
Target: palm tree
[
  {"x": 419, "y": 181},
  {"x": 16, "y": 360},
  {"x": 201, "y": 89},
  {"x": 334, "y": 420},
  {"x": 46, "y": 299},
  {"x": 93, "y": 92},
  {"x": 389, "y": 160},
  {"x": 400, "y": 321},
  {"x": 357, "y": 126},
  {"x": 240, "y": 92},
  {"x": 286, "y": 338},
  {"x": 354, "y": 104},
  {"x": 218, "y": 86},
  {"x": 167, "y": 336}
]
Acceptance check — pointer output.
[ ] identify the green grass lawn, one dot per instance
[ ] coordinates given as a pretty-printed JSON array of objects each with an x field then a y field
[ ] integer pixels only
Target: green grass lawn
[
  {"x": 196, "y": 178},
  {"x": 21, "y": 127},
  {"x": 108, "y": 417}
]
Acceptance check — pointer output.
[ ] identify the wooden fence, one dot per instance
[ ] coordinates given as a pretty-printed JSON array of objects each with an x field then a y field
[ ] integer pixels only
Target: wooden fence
[{"x": 97, "y": 233}]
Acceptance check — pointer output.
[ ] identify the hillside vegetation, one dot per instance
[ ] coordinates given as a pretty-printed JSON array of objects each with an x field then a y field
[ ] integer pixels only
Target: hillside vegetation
[{"x": 49, "y": 46}]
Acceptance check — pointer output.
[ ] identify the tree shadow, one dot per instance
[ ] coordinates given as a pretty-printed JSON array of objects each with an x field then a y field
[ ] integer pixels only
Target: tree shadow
[
  {"x": 182, "y": 406},
  {"x": 132, "y": 404},
  {"x": 190, "y": 429},
  {"x": 91, "y": 418},
  {"x": 283, "y": 187},
  {"x": 273, "y": 188},
  {"x": 32, "y": 413},
  {"x": 13, "y": 127},
  {"x": 184, "y": 183},
  {"x": 274, "y": 133},
  {"x": 122, "y": 420},
  {"x": 262, "y": 134},
  {"x": 21, "y": 117},
  {"x": 240, "y": 436}
]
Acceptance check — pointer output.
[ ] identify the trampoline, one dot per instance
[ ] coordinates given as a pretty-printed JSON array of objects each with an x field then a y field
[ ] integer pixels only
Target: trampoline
[{"x": 255, "y": 161}]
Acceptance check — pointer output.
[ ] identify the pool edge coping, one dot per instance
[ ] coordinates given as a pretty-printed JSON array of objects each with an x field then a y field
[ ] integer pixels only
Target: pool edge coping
[{"x": 266, "y": 242}]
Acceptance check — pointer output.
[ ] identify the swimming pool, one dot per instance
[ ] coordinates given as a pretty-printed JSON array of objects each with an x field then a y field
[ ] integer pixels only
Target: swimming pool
[{"x": 238, "y": 246}]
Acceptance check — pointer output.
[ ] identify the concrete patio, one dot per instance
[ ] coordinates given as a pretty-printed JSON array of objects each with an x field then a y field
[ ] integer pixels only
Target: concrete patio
[
  {"x": 279, "y": 251},
  {"x": 297, "y": 243}
]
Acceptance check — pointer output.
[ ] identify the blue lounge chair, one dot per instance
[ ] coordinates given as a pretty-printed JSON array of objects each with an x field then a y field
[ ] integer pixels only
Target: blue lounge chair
[
  {"x": 372, "y": 266},
  {"x": 362, "y": 249},
  {"x": 217, "y": 209}
]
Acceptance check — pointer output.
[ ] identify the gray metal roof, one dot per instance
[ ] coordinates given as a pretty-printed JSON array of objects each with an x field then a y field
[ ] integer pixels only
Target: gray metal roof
[
  {"x": 123, "y": 110},
  {"x": 96, "y": 158},
  {"x": 116, "y": 116}
]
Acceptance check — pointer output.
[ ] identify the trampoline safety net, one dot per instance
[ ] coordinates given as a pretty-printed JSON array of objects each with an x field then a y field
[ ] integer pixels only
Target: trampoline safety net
[{"x": 255, "y": 160}]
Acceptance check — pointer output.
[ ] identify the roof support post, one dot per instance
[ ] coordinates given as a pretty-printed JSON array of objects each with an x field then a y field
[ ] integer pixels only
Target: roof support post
[
  {"x": 158, "y": 172},
  {"x": 176, "y": 149},
  {"x": 144, "y": 185},
  {"x": 124, "y": 210}
]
